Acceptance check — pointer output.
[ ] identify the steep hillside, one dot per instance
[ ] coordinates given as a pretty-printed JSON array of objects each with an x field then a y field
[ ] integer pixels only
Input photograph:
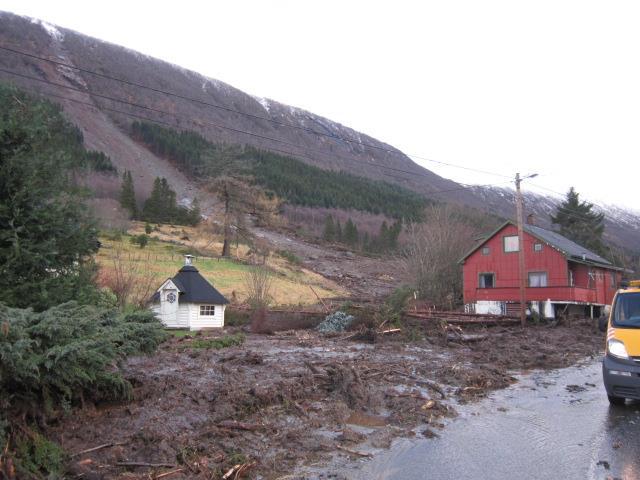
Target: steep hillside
[
  {"x": 292, "y": 130},
  {"x": 220, "y": 113}
]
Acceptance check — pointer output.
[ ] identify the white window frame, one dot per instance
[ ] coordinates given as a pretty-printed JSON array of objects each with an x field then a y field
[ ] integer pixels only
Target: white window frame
[
  {"x": 486, "y": 250},
  {"x": 512, "y": 248},
  {"x": 537, "y": 247},
  {"x": 482, "y": 274},
  {"x": 207, "y": 310},
  {"x": 543, "y": 282}
]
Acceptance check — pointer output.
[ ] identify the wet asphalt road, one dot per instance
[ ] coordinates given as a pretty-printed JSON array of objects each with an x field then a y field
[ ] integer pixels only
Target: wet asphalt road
[{"x": 550, "y": 425}]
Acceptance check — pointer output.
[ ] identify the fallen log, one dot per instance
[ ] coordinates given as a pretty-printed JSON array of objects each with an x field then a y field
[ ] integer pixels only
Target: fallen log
[
  {"x": 466, "y": 338},
  {"x": 145, "y": 464},
  {"x": 354, "y": 452},
  {"x": 99, "y": 447},
  {"x": 233, "y": 425},
  {"x": 168, "y": 474},
  {"x": 391, "y": 330}
]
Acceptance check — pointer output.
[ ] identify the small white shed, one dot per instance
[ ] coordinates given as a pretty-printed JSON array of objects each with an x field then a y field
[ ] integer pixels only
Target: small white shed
[{"x": 188, "y": 300}]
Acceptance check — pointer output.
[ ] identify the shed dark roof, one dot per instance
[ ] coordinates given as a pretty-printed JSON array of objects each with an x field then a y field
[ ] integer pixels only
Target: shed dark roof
[{"x": 194, "y": 288}]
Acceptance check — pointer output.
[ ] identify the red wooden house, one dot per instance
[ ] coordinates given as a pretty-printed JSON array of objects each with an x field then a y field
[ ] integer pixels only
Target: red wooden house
[{"x": 562, "y": 277}]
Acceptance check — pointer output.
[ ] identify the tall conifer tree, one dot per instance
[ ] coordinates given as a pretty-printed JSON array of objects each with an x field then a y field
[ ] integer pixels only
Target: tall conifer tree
[{"x": 580, "y": 223}]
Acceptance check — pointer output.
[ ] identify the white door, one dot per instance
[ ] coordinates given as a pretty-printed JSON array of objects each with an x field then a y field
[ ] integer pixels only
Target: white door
[{"x": 169, "y": 307}]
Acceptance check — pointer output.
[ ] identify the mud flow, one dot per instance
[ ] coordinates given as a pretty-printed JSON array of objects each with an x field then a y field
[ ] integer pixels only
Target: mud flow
[{"x": 279, "y": 403}]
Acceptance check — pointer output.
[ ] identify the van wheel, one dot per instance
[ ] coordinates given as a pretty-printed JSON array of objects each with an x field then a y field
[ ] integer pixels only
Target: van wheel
[{"x": 616, "y": 400}]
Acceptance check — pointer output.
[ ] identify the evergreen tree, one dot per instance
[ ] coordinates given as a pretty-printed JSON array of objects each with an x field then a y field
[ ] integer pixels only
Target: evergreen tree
[
  {"x": 338, "y": 231},
  {"x": 580, "y": 223},
  {"x": 329, "y": 233},
  {"x": 128, "y": 195},
  {"x": 350, "y": 233},
  {"x": 46, "y": 234},
  {"x": 383, "y": 237}
]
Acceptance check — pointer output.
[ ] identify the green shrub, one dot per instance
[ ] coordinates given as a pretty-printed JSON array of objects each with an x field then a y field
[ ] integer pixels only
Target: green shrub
[
  {"x": 66, "y": 354},
  {"x": 289, "y": 256},
  {"x": 141, "y": 240},
  {"x": 148, "y": 228},
  {"x": 55, "y": 359},
  {"x": 38, "y": 457}
]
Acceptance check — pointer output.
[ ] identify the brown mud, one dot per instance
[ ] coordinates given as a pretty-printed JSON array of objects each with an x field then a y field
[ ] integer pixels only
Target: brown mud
[{"x": 261, "y": 409}]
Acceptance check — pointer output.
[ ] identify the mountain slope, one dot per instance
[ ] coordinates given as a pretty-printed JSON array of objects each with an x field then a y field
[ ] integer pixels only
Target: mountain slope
[{"x": 272, "y": 125}]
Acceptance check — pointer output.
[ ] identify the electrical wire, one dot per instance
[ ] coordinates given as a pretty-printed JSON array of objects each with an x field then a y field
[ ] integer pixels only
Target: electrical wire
[{"x": 239, "y": 112}]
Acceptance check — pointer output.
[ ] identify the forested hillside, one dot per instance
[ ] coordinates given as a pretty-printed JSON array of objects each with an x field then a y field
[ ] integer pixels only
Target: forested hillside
[{"x": 287, "y": 177}]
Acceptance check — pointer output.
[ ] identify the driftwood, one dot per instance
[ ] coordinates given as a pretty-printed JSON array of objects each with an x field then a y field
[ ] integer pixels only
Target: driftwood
[
  {"x": 237, "y": 470},
  {"x": 168, "y": 474},
  {"x": 99, "y": 447},
  {"x": 145, "y": 464},
  {"x": 233, "y": 425},
  {"x": 354, "y": 452},
  {"x": 424, "y": 383},
  {"x": 466, "y": 338},
  {"x": 391, "y": 330}
]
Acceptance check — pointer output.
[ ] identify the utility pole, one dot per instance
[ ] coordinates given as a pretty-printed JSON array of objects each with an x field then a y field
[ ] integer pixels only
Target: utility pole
[
  {"x": 521, "y": 267},
  {"x": 521, "y": 272}
]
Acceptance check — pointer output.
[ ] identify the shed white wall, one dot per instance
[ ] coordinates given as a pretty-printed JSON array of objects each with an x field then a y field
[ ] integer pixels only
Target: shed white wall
[
  {"x": 198, "y": 321},
  {"x": 177, "y": 319},
  {"x": 188, "y": 316}
]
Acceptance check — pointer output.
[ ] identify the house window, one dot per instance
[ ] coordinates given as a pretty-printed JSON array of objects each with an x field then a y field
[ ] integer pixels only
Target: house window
[
  {"x": 207, "y": 310},
  {"x": 486, "y": 250},
  {"x": 487, "y": 280},
  {"x": 537, "y": 247},
  {"x": 537, "y": 279},
  {"x": 511, "y": 244}
]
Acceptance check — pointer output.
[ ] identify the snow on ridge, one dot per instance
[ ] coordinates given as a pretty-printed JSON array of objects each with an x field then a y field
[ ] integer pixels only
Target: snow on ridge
[
  {"x": 51, "y": 29},
  {"x": 265, "y": 102}
]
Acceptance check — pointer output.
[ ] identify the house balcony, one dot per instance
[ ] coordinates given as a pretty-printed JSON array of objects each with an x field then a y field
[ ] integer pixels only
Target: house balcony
[{"x": 533, "y": 294}]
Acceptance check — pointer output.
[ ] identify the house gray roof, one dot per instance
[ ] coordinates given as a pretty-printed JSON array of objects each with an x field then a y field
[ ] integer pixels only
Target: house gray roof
[
  {"x": 194, "y": 288},
  {"x": 570, "y": 248}
]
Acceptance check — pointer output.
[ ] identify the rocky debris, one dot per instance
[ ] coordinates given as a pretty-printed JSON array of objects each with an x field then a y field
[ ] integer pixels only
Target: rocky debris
[
  {"x": 295, "y": 397},
  {"x": 335, "y": 322}
]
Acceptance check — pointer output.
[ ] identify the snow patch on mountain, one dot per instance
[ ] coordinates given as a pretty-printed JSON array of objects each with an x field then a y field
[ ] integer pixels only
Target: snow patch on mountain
[
  {"x": 266, "y": 104},
  {"x": 52, "y": 30}
]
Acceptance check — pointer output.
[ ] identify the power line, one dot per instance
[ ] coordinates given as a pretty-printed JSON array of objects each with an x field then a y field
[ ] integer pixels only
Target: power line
[
  {"x": 239, "y": 112},
  {"x": 172, "y": 125},
  {"x": 216, "y": 125},
  {"x": 263, "y": 137}
]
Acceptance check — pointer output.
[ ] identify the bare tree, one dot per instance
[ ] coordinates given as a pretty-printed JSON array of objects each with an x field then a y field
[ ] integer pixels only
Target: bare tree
[
  {"x": 258, "y": 283},
  {"x": 433, "y": 250},
  {"x": 130, "y": 281}
]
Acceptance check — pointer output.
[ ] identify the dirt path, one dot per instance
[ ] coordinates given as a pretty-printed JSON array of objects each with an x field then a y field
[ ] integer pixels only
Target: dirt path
[
  {"x": 363, "y": 276},
  {"x": 294, "y": 398}
]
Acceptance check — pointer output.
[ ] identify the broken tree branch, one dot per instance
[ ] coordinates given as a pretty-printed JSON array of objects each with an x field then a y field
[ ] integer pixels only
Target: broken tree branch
[
  {"x": 354, "y": 452},
  {"x": 99, "y": 447},
  {"x": 145, "y": 464}
]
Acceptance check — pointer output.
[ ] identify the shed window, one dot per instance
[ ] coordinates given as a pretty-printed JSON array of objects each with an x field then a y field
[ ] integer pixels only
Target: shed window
[
  {"x": 487, "y": 280},
  {"x": 486, "y": 250},
  {"x": 207, "y": 310},
  {"x": 511, "y": 244},
  {"x": 537, "y": 279},
  {"x": 537, "y": 247}
]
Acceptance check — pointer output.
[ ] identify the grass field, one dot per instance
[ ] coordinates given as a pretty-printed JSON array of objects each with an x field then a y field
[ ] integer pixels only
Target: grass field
[{"x": 163, "y": 257}]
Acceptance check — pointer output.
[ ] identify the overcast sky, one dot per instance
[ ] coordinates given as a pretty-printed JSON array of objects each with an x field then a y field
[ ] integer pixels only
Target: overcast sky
[{"x": 551, "y": 87}]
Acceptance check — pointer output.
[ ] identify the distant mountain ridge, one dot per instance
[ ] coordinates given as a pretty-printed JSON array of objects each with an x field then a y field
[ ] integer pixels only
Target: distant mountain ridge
[{"x": 275, "y": 126}]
